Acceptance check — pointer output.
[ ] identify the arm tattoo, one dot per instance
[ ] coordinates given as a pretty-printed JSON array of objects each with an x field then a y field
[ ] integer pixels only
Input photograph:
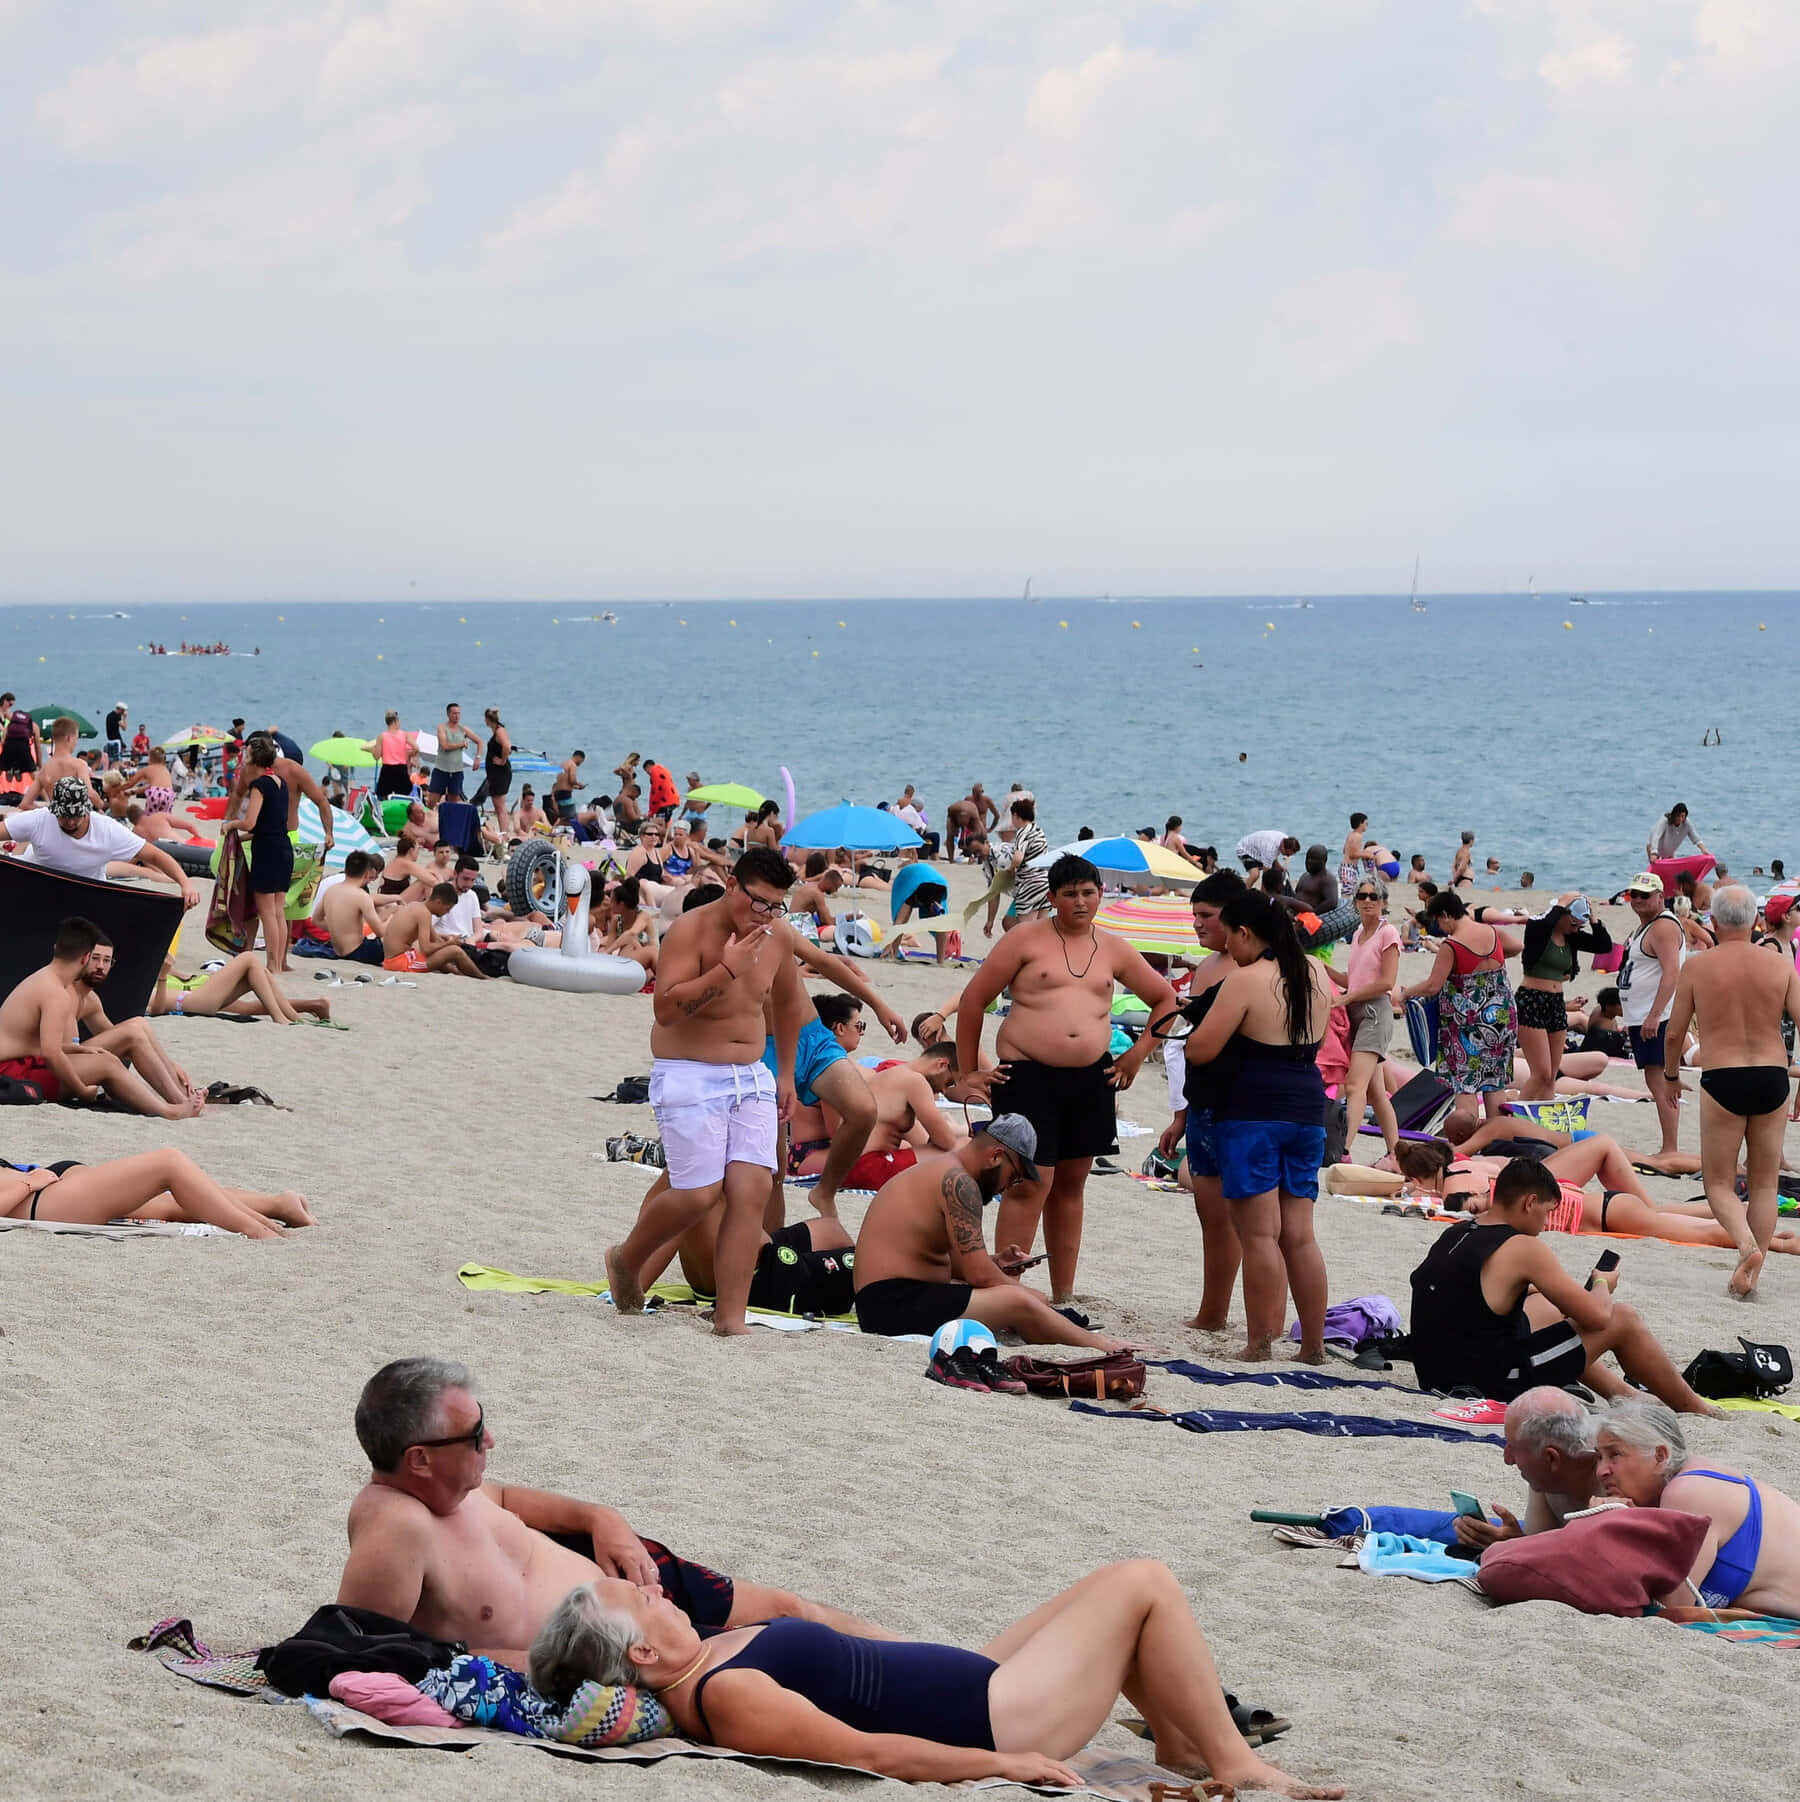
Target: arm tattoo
[
  {"x": 703, "y": 999},
  {"x": 962, "y": 1209}
]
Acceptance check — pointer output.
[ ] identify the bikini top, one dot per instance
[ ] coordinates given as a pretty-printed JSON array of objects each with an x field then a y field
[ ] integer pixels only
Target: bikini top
[
  {"x": 1735, "y": 1565},
  {"x": 1465, "y": 962}
]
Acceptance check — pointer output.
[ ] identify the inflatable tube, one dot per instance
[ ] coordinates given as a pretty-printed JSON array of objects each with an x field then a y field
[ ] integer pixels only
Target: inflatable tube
[
  {"x": 142, "y": 923},
  {"x": 195, "y": 859},
  {"x": 574, "y": 968},
  {"x": 1668, "y": 868},
  {"x": 787, "y": 783}
]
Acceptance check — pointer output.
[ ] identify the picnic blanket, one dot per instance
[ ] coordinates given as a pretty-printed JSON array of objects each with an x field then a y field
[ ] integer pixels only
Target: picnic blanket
[{"x": 1329, "y": 1426}]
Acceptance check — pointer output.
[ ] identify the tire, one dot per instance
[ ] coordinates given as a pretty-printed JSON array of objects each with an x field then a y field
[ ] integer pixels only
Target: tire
[{"x": 530, "y": 875}]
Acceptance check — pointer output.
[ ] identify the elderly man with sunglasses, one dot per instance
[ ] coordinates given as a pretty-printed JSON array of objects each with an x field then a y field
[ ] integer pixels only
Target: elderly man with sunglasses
[{"x": 433, "y": 1543}]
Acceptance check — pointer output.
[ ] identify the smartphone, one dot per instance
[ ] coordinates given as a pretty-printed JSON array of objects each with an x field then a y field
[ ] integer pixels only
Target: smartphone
[
  {"x": 1467, "y": 1504},
  {"x": 1607, "y": 1260}
]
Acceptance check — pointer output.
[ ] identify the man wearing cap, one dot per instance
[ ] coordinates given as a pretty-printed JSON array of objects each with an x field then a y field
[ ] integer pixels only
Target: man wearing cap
[
  {"x": 68, "y": 836},
  {"x": 1737, "y": 996},
  {"x": 1653, "y": 958},
  {"x": 921, "y": 1259},
  {"x": 116, "y": 719}
]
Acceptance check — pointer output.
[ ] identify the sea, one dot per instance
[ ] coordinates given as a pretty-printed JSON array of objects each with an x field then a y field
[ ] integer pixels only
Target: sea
[{"x": 1557, "y": 729}]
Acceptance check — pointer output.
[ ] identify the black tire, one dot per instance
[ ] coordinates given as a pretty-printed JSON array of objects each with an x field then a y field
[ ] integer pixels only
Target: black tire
[
  {"x": 196, "y": 860},
  {"x": 530, "y": 876}
]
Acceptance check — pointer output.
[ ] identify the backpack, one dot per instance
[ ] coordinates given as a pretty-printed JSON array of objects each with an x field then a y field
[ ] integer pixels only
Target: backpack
[
  {"x": 337, "y": 1639},
  {"x": 1755, "y": 1373}
]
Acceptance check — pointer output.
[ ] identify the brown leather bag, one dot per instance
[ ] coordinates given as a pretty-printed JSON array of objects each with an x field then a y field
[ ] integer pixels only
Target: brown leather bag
[{"x": 1109, "y": 1376}]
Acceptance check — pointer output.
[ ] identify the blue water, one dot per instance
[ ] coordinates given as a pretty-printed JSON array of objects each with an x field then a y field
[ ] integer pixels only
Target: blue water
[{"x": 1558, "y": 746}]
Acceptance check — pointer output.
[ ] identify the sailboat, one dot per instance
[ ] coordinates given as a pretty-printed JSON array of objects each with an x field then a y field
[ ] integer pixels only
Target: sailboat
[
  {"x": 1418, "y": 606},
  {"x": 1027, "y": 594}
]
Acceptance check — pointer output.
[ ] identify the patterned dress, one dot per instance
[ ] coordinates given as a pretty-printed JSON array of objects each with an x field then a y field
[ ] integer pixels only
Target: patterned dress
[{"x": 1478, "y": 1022}]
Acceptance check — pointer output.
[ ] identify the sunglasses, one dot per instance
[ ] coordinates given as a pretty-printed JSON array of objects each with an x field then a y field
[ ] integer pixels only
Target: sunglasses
[
  {"x": 1365, "y": 895},
  {"x": 471, "y": 1439}
]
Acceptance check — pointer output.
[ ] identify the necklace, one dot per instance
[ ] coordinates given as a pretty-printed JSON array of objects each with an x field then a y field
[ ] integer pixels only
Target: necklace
[
  {"x": 1094, "y": 940},
  {"x": 667, "y": 1687}
]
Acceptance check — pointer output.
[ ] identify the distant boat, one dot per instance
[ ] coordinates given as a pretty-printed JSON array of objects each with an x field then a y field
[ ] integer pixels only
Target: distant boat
[
  {"x": 611, "y": 618},
  {"x": 1027, "y": 593},
  {"x": 1578, "y": 600},
  {"x": 1418, "y": 606},
  {"x": 1531, "y": 586}
]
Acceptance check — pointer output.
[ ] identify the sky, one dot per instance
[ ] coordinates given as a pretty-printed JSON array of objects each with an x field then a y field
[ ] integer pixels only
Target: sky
[{"x": 343, "y": 299}]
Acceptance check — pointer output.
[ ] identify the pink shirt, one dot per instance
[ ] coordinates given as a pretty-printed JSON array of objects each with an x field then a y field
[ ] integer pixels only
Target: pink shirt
[{"x": 1366, "y": 954}]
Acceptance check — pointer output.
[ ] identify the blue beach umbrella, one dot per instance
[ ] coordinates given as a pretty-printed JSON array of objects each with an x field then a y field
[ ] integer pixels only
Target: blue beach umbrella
[{"x": 855, "y": 828}]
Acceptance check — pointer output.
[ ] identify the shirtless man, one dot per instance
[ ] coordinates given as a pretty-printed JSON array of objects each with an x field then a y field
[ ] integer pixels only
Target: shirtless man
[
  {"x": 38, "y": 1022},
  {"x": 906, "y": 1116},
  {"x": 921, "y": 1259},
  {"x": 1550, "y": 1443},
  {"x": 562, "y": 789},
  {"x": 1736, "y": 994},
  {"x": 411, "y": 944},
  {"x": 300, "y": 782},
  {"x": 60, "y": 760},
  {"x": 353, "y": 919},
  {"x": 1054, "y": 1061},
  {"x": 971, "y": 817},
  {"x": 813, "y": 896},
  {"x": 717, "y": 1105},
  {"x": 433, "y": 1544},
  {"x": 1462, "y": 866}
]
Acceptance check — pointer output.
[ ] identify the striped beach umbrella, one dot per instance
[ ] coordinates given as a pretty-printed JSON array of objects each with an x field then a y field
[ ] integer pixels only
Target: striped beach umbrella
[
  {"x": 348, "y": 834},
  {"x": 1123, "y": 859},
  {"x": 1162, "y": 923}
]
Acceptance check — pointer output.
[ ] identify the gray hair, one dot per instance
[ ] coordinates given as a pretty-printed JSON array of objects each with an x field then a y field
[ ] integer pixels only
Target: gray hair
[
  {"x": 1646, "y": 1424},
  {"x": 401, "y": 1403},
  {"x": 583, "y": 1641},
  {"x": 1375, "y": 881},
  {"x": 1544, "y": 1418},
  {"x": 1734, "y": 908}
]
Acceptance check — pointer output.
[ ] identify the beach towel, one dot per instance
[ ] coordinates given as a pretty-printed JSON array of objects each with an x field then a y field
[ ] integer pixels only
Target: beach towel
[
  {"x": 178, "y": 1648},
  {"x": 1763, "y": 1630},
  {"x": 1418, "y": 1523},
  {"x": 231, "y": 918},
  {"x": 1275, "y": 1379},
  {"x": 1327, "y": 1426},
  {"x": 123, "y": 1229},
  {"x": 1741, "y": 1404},
  {"x": 678, "y": 1295},
  {"x": 485, "y": 1694},
  {"x": 1407, "y": 1555}
]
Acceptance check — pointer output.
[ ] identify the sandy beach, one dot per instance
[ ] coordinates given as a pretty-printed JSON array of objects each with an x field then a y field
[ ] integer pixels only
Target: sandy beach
[{"x": 181, "y": 1439}]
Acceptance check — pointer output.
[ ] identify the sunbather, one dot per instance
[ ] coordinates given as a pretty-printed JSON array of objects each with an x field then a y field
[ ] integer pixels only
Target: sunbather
[
  {"x": 153, "y": 1185},
  {"x": 1016, "y": 1709},
  {"x": 242, "y": 987}
]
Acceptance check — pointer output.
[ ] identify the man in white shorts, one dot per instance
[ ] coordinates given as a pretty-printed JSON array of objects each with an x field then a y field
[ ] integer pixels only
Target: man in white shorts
[{"x": 717, "y": 1106}]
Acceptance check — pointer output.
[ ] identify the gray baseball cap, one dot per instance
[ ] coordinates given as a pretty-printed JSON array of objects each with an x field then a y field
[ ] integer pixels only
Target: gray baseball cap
[{"x": 1019, "y": 1137}]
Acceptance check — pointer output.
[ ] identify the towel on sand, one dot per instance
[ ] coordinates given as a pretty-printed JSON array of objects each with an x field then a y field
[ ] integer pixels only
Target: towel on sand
[
  {"x": 1331, "y": 1426},
  {"x": 1407, "y": 1555}
]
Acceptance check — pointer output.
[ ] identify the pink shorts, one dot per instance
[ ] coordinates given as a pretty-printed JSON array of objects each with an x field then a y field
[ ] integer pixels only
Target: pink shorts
[{"x": 711, "y": 1115}]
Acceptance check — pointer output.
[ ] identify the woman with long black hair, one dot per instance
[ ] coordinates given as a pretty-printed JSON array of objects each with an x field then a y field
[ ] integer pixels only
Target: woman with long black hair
[{"x": 1263, "y": 1033}]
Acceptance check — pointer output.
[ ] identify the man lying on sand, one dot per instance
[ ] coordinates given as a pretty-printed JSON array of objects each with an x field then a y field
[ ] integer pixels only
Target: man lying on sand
[
  {"x": 1550, "y": 1443},
  {"x": 434, "y": 1544},
  {"x": 1494, "y": 1310},
  {"x": 153, "y": 1185},
  {"x": 39, "y": 1024},
  {"x": 921, "y": 1259}
]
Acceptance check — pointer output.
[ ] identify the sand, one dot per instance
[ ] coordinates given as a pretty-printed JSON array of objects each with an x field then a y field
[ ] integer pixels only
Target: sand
[{"x": 180, "y": 1443}]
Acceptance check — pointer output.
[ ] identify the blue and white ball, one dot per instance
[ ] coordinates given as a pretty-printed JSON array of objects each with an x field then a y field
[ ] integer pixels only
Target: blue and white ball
[{"x": 953, "y": 1335}]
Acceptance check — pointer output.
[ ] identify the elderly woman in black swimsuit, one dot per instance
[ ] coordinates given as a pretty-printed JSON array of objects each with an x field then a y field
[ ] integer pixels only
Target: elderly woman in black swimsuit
[
  {"x": 923, "y": 1713},
  {"x": 153, "y": 1185}
]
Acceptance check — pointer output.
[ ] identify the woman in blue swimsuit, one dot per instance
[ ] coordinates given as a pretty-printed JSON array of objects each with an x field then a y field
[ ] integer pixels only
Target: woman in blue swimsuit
[
  {"x": 924, "y": 1713},
  {"x": 1750, "y": 1559}
]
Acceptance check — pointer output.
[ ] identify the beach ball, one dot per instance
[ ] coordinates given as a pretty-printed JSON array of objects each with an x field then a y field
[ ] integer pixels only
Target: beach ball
[
  {"x": 840, "y": 625},
  {"x": 815, "y": 653},
  {"x": 1762, "y": 628},
  {"x": 1064, "y": 624},
  {"x": 731, "y": 622},
  {"x": 954, "y": 1335},
  {"x": 1568, "y": 625}
]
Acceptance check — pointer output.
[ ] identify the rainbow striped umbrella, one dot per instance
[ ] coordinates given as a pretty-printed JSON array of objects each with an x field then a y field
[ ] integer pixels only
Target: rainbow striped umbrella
[{"x": 1162, "y": 923}]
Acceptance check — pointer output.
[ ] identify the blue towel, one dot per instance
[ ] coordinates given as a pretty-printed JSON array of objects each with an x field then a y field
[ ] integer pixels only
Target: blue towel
[
  {"x": 1330, "y": 1426},
  {"x": 1406, "y": 1555},
  {"x": 1422, "y": 1523},
  {"x": 1285, "y": 1378}
]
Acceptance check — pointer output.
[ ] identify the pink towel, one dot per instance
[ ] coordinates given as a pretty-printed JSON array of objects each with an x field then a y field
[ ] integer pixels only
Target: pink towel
[{"x": 389, "y": 1698}]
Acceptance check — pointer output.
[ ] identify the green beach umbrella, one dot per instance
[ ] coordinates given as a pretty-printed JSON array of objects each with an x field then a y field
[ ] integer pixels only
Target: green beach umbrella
[
  {"x": 727, "y": 794},
  {"x": 346, "y": 753},
  {"x": 44, "y": 715}
]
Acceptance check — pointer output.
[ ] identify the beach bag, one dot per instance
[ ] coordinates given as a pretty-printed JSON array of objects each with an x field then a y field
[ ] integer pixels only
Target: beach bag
[
  {"x": 1754, "y": 1374},
  {"x": 337, "y": 1639},
  {"x": 230, "y": 920},
  {"x": 1107, "y": 1377},
  {"x": 633, "y": 1148}
]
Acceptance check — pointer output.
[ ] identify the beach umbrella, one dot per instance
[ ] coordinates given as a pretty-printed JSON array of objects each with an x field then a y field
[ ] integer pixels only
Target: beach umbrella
[
  {"x": 203, "y": 736},
  {"x": 348, "y": 833},
  {"x": 855, "y": 828},
  {"x": 346, "y": 753},
  {"x": 727, "y": 794},
  {"x": 1134, "y": 857},
  {"x": 1162, "y": 923},
  {"x": 84, "y": 727}
]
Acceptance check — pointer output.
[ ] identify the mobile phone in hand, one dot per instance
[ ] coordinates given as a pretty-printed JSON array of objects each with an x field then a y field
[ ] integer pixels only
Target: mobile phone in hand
[
  {"x": 1607, "y": 1260},
  {"x": 1467, "y": 1504}
]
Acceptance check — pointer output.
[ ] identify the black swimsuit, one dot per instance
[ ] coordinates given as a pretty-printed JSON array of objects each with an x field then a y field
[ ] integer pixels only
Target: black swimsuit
[{"x": 1747, "y": 1089}]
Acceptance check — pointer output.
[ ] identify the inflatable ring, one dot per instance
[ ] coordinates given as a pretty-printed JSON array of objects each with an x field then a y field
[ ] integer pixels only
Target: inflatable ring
[{"x": 574, "y": 968}]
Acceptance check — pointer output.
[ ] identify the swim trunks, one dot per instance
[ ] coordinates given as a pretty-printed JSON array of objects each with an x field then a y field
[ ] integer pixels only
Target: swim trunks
[
  {"x": 368, "y": 952},
  {"x": 447, "y": 782},
  {"x": 410, "y": 961},
  {"x": 711, "y": 1115},
  {"x": 1070, "y": 1108},
  {"x": 1259, "y": 1156},
  {"x": 899, "y": 1305},
  {"x": 874, "y": 1168},
  {"x": 34, "y": 1070},
  {"x": 815, "y": 1051},
  {"x": 791, "y": 1278},
  {"x": 1647, "y": 1051},
  {"x": 1747, "y": 1089},
  {"x": 703, "y": 1595}
]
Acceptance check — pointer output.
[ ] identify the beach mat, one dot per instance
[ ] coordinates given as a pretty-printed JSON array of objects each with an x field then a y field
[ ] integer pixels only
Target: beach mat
[
  {"x": 123, "y": 1229},
  {"x": 675, "y": 1295}
]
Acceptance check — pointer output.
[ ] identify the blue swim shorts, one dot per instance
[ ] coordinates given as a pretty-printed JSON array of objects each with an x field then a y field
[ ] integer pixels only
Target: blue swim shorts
[
  {"x": 816, "y": 1052},
  {"x": 1256, "y": 1156},
  {"x": 1202, "y": 1154}
]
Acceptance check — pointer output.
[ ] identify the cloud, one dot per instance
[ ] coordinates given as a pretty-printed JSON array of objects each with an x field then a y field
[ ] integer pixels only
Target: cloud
[{"x": 1603, "y": 60}]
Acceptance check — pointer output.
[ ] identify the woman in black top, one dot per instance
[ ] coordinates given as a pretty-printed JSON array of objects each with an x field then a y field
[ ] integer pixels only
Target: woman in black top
[
  {"x": 265, "y": 819},
  {"x": 496, "y": 770}
]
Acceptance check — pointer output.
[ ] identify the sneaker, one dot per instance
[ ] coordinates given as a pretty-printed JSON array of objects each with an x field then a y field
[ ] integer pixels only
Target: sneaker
[
  {"x": 995, "y": 1374},
  {"x": 955, "y": 1370}
]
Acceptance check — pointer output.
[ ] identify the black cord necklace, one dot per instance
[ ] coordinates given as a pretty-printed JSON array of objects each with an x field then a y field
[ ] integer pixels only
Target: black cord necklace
[{"x": 1094, "y": 940}]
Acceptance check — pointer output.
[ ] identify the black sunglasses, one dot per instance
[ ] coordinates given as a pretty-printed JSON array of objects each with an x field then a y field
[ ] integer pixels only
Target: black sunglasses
[{"x": 472, "y": 1439}]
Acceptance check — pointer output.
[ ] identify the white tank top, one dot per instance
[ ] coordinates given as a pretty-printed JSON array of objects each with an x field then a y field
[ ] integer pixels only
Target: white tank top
[{"x": 1640, "y": 975}]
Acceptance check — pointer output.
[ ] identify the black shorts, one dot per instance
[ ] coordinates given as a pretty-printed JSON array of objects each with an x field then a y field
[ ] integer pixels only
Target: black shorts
[
  {"x": 392, "y": 779},
  {"x": 16, "y": 758},
  {"x": 702, "y": 1595},
  {"x": 1071, "y": 1110},
  {"x": 1647, "y": 1053},
  {"x": 1552, "y": 1356},
  {"x": 792, "y": 1278},
  {"x": 499, "y": 779},
  {"x": 368, "y": 952},
  {"x": 1543, "y": 1009},
  {"x": 903, "y": 1304}
]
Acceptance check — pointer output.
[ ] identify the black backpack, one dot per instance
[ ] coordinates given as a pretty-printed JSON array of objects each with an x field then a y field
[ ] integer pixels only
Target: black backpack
[
  {"x": 1755, "y": 1373},
  {"x": 338, "y": 1639}
]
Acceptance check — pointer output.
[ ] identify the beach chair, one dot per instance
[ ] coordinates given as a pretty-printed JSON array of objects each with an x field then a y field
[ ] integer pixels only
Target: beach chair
[
  {"x": 459, "y": 825},
  {"x": 1419, "y": 1106}
]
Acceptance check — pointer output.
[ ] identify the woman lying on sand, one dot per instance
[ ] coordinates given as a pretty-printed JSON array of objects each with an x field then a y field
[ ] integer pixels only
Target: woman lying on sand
[
  {"x": 923, "y": 1713},
  {"x": 242, "y": 987},
  {"x": 153, "y": 1185}
]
